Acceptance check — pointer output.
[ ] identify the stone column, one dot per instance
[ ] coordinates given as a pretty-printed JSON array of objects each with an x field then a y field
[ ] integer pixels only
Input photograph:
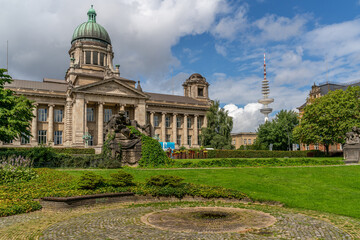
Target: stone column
[
  {"x": 196, "y": 144},
  {"x": 205, "y": 121},
  {"x": 174, "y": 128},
  {"x": 68, "y": 122},
  {"x": 85, "y": 117},
  {"x": 100, "y": 124},
  {"x": 51, "y": 125},
  {"x": 163, "y": 129},
  {"x": 34, "y": 141},
  {"x": 140, "y": 113},
  {"x": 152, "y": 129},
  {"x": 185, "y": 131}
]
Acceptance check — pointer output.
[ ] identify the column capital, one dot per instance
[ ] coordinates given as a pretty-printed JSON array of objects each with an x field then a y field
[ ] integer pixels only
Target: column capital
[
  {"x": 186, "y": 114},
  {"x": 35, "y": 104},
  {"x": 152, "y": 112},
  {"x": 51, "y": 105},
  {"x": 175, "y": 114},
  {"x": 163, "y": 113},
  {"x": 196, "y": 115},
  {"x": 101, "y": 103}
]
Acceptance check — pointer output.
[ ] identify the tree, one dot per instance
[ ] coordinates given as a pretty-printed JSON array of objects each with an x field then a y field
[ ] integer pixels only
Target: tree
[
  {"x": 15, "y": 112},
  {"x": 278, "y": 131},
  {"x": 217, "y": 134},
  {"x": 327, "y": 119}
]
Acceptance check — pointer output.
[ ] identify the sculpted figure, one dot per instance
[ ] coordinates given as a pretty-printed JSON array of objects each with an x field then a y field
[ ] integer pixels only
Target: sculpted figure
[{"x": 354, "y": 136}]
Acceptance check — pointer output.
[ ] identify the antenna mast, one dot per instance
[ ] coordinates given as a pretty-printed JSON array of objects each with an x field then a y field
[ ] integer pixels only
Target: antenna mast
[
  {"x": 265, "y": 101},
  {"x": 7, "y": 56}
]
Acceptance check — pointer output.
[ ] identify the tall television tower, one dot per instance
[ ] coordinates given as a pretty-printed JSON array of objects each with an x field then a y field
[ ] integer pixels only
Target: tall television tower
[{"x": 265, "y": 101}]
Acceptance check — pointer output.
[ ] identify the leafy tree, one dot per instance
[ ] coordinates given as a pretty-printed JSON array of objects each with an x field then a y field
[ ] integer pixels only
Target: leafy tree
[
  {"x": 217, "y": 134},
  {"x": 327, "y": 119},
  {"x": 278, "y": 131},
  {"x": 15, "y": 112}
]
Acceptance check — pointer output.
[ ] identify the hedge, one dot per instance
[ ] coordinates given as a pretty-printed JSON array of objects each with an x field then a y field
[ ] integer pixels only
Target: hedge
[
  {"x": 57, "y": 150},
  {"x": 262, "y": 154},
  {"x": 243, "y": 162}
]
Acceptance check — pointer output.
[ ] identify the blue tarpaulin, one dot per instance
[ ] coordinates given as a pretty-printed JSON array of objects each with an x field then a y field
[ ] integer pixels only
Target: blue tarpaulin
[{"x": 167, "y": 145}]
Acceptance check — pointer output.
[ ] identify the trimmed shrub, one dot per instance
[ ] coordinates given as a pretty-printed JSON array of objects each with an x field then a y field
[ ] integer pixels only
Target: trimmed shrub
[
  {"x": 121, "y": 179},
  {"x": 243, "y": 162},
  {"x": 90, "y": 180},
  {"x": 260, "y": 154},
  {"x": 57, "y": 150},
  {"x": 164, "y": 180}
]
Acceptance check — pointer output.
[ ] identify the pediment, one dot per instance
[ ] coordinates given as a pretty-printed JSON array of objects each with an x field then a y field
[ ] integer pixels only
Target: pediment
[{"x": 111, "y": 87}]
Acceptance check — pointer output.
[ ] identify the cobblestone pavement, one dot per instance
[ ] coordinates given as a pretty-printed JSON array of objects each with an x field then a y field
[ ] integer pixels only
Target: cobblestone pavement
[{"x": 125, "y": 223}]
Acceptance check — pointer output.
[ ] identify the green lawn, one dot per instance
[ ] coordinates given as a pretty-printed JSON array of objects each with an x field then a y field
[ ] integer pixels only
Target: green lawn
[{"x": 329, "y": 189}]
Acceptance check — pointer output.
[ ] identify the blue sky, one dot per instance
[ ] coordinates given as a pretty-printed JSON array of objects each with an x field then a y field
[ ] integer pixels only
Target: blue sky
[{"x": 162, "y": 43}]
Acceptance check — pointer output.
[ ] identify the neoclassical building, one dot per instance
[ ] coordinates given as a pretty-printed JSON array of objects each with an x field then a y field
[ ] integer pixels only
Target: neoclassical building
[{"x": 69, "y": 110}]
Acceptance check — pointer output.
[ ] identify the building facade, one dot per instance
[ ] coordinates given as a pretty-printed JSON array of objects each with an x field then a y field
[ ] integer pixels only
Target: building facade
[
  {"x": 76, "y": 108},
  {"x": 318, "y": 91},
  {"x": 243, "y": 139}
]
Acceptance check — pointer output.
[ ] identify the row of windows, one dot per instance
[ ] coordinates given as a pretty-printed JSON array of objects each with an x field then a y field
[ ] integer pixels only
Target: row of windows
[
  {"x": 58, "y": 114},
  {"x": 42, "y": 115},
  {"x": 42, "y": 138},
  {"x": 178, "y": 139},
  {"x": 97, "y": 58},
  {"x": 178, "y": 122},
  {"x": 247, "y": 142}
]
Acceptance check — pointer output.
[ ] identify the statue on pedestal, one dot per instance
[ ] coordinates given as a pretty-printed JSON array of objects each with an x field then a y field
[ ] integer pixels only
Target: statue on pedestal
[
  {"x": 123, "y": 144},
  {"x": 352, "y": 146}
]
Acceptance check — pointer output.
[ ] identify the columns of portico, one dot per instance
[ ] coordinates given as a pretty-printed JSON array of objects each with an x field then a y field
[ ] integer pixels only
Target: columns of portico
[
  {"x": 196, "y": 144},
  {"x": 140, "y": 112},
  {"x": 174, "y": 127},
  {"x": 163, "y": 129},
  {"x": 51, "y": 125},
  {"x": 205, "y": 121},
  {"x": 185, "y": 127},
  {"x": 122, "y": 107},
  {"x": 34, "y": 126},
  {"x": 100, "y": 124},
  {"x": 152, "y": 129}
]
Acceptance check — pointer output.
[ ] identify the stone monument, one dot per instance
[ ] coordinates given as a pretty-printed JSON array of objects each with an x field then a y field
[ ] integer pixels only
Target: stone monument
[
  {"x": 352, "y": 146},
  {"x": 124, "y": 145}
]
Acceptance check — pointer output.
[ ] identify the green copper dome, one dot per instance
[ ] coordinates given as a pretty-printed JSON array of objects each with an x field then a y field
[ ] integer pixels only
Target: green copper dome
[{"x": 91, "y": 30}]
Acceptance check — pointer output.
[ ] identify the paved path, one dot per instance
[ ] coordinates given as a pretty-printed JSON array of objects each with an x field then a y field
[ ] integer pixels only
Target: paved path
[{"x": 125, "y": 223}]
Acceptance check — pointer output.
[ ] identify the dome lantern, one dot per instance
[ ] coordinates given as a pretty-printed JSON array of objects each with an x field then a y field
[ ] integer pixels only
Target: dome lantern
[{"x": 92, "y": 14}]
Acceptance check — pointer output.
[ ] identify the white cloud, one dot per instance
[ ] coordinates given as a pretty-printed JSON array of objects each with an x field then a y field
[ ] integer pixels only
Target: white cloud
[
  {"x": 229, "y": 26},
  {"x": 220, "y": 49},
  {"x": 246, "y": 119},
  {"x": 277, "y": 28}
]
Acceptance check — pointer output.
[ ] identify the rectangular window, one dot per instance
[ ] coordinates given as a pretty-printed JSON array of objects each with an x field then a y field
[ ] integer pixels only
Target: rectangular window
[
  {"x": 58, "y": 137},
  {"x": 244, "y": 141},
  {"x": 189, "y": 140},
  {"x": 234, "y": 142},
  {"x": 107, "y": 115},
  {"x": 8, "y": 142},
  {"x": 58, "y": 115},
  {"x": 199, "y": 123},
  {"x": 102, "y": 56},
  {"x": 87, "y": 57},
  {"x": 189, "y": 122},
  {"x": 307, "y": 147},
  {"x": 42, "y": 114},
  {"x": 178, "y": 122},
  {"x": 178, "y": 140},
  {"x": 200, "y": 92},
  {"x": 25, "y": 139},
  {"x": 90, "y": 114},
  {"x": 156, "y": 121},
  {"x": 127, "y": 113},
  {"x": 167, "y": 138},
  {"x": 316, "y": 147},
  {"x": 95, "y": 58},
  {"x": 42, "y": 136},
  {"x": 167, "y": 121},
  {"x": 199, "y": 140},
  {"x": 249, "y": 141}
]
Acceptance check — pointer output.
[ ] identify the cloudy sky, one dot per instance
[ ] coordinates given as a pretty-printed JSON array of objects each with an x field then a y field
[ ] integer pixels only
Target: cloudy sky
[{"x": 162, "y": 42}]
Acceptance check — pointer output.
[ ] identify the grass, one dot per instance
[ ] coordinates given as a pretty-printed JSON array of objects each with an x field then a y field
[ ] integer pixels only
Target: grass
[{"x": 325, "y": 189}]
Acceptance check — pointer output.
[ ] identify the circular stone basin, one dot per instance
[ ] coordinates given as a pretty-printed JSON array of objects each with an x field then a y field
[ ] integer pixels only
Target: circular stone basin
[{"x": 209, "y": 219}]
